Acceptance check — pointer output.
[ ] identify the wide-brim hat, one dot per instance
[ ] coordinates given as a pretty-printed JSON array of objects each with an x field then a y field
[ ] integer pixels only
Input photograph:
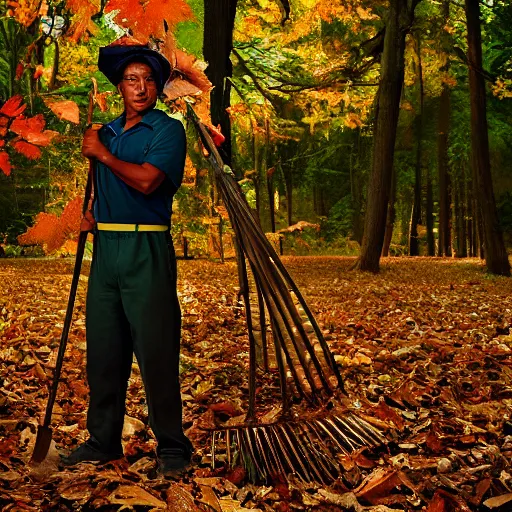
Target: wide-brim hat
[{"x": 113, "y": 59}]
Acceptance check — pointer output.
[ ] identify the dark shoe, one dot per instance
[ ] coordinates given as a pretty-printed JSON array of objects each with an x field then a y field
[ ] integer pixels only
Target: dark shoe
[
  {"x": 88, "y": 453},
  {"x": 173, "y": 466}
]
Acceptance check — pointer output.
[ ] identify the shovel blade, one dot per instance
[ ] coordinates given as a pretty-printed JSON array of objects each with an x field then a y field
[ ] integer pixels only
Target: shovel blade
[{"x": 43, "y": 440}]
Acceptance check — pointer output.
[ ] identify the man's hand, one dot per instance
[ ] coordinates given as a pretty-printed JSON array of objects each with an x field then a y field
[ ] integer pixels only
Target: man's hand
[
  {"x": 92, "y": 147},
  {"x": 88, "y": 222}
]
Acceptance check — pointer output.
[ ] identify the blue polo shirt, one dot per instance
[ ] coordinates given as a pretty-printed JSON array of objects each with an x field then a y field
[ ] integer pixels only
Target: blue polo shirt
[{"x": 157, "y": 139}]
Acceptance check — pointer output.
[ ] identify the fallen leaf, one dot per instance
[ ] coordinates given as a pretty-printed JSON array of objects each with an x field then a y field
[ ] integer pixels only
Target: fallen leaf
[{"x": 132, "y": 495}]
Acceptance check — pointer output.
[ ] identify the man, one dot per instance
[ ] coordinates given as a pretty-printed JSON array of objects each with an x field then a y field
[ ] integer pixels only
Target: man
[{"x": 132, "y": 304}]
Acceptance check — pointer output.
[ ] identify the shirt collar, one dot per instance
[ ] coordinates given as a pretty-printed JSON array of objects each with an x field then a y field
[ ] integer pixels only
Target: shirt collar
[{"x": 116, "y": 126}]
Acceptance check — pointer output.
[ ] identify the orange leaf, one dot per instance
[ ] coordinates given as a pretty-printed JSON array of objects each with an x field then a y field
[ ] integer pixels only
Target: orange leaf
[
  {"x": 28, "y": 150},
  {"x": 13, "y": 107},
  {"x": 189, "y": 66},
  {"x": 147, "y": 19},
  {"x": 31, "y": 130},
  {"x": 28, "y": 125},
  {"x": 5, "y": 165},
  {"x": 178, "y": 87},
  {"x": 38, "y": 71},
  {"x": 66, "y": 110},
  {"x": 81, "y": 22},
  {"x": 127, "y": 40},
  {"x": 101, "y": 101}
]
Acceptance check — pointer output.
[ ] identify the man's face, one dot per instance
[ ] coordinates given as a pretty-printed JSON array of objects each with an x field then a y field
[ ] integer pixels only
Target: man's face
[{"x": 138, "y": 88}]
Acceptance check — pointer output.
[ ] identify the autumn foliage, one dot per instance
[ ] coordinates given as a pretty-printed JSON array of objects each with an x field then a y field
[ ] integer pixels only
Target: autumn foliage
[
  {"x": 50, "y": 231},
  {"x": 30, "y": 132},
  {"x": 146, "y": 19}
]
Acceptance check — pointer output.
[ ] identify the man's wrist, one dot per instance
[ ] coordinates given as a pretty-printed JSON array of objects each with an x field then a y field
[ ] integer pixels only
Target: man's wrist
[{"x": 105, "y": 157}]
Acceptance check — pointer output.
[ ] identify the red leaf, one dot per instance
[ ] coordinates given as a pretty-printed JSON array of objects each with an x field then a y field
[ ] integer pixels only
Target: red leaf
[
  {"x": 237, "y": 476},
  {"x": 225, "y": 408},
  {"x": 13, "y": 107},
  {"x": 2, "y": 143},
  {"x": 5, "y": 165},
  {"x": 19, "y": 70},
  {"x": 216, "y": 135},
  {"x": 31, "y": 130},
  {"x": 28, "y": 150},
  {"x": 66, "y": 110}
]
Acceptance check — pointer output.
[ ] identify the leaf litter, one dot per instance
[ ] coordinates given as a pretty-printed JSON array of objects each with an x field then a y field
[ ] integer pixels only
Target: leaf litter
[{"x": 424, "y": 349}]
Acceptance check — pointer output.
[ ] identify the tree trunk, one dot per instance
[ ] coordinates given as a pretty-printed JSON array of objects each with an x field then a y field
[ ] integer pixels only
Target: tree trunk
[
  {"x": 444, "y": 239},
  {"x": 470, "y": 222},
  {"x": 400, "y": 16},
  {"x": 414, "y": 247},
  {"x": 429, "y": 214},
  {"x": 257, "y": 168},
  {"x": 289, "y": 194},
  {"x": 219, "y": 19},
  {"x": 355, "y": 195},
  {"x": 55, "y": 69},
  {"x": 496, "y": 258},
  {"x": 391, "y": 216},
  {"x": 269, "y": 175},
  {"x": 460, "y": 218}
]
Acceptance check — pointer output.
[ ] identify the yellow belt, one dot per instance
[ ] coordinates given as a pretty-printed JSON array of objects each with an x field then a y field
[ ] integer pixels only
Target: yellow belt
[{"x": 102, "y": 226}]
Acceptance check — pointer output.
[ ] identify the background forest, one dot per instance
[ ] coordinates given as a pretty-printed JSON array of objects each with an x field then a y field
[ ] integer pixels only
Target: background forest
[{"x": 303, "y": 95}]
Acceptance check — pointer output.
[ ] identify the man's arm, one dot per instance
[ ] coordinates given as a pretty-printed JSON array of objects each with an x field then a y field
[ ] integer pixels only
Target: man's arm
[{"x": 145, "y": 177}]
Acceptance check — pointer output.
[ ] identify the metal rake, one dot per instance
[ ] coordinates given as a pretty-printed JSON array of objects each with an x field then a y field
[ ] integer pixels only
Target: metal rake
[{"x": 283, "y": 337}]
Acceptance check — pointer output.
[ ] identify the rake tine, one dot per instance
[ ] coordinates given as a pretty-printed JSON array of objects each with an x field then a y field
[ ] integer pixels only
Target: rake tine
[
  {"x": 311, "y": 454},
  {"x": 344, "y": 449},
  {"x": 259, "y": 469},
  {"x": 324, "y": 456},
  {"x": 228, "y": 446},
  {"x": 355, "y": 430},
  {"x": 213, "y": 449},
  {"x": 273, "y": 449},
  {"x": 368, "y": 429},
  {"x": 298, "y": 457},
  {"x": 268, "y": 461},
  {"x": 288, "y": 461},
  {"x": 348, "y": 432}
]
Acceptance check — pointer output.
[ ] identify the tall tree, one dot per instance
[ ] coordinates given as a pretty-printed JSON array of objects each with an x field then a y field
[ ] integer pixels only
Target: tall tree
[
  {"x": 219, "y": 20},
  {"x": 399, "y": 19},
  {"x": 414, "y": 248},
  {"x": 444, "y": 247},
  {"x": 496, "y": 257}
]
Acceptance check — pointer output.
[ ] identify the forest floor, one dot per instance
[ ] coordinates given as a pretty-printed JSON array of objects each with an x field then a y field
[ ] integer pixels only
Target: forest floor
[{"x": 424, "y": 348}]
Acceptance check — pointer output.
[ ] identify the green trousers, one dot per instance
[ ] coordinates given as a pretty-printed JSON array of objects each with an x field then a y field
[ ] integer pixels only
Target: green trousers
[{"x": 132, "y": 307}]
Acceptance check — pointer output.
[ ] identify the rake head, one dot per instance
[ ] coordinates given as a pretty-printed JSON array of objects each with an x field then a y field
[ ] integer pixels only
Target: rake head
[{"x": 309, "y": 449}]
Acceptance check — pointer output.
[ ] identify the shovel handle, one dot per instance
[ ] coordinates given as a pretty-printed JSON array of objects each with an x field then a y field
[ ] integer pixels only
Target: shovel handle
[
  {"x": 82, "y": 239},
  {"x": 69, "y": 313}
]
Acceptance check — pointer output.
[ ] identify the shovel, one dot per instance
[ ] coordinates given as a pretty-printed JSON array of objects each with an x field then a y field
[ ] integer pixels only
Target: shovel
[{"x": 44, "y": 431}]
